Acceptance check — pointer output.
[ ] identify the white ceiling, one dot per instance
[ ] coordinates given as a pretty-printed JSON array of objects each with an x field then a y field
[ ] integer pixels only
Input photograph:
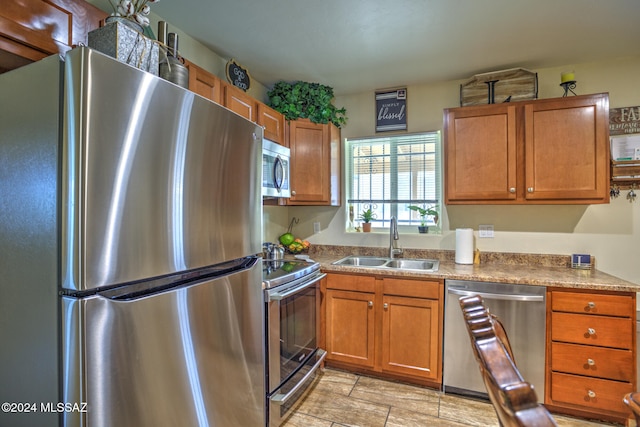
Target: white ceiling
[{"x": 362, "y": 45}]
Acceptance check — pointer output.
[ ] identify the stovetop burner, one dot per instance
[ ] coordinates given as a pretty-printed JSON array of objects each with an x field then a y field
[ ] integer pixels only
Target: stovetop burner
[{"x": 279, "y": 272}]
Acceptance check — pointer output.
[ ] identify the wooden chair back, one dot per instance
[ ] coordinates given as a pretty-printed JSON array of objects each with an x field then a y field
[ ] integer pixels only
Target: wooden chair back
[
  {"x": 633, "y": 402},
  {"x": 513, "y": 399}
]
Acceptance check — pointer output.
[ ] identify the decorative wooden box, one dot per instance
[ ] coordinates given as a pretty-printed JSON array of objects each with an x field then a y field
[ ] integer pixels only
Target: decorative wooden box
[
  {"x": 127, "y": 45},
  {"x": 515, "y": 84}
]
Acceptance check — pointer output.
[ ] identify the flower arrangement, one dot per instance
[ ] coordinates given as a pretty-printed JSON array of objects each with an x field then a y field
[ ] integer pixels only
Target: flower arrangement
[{"x": 134, "y": 10}]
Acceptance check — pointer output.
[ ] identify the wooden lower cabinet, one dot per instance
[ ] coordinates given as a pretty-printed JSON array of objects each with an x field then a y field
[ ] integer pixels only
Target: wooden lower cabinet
[
  {"x": 385, "y": 326},
  {"x": 591, "y": 353}
]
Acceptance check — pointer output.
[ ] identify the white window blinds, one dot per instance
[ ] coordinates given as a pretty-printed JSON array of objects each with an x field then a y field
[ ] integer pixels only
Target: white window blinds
[{"x": 388, "y": 174}]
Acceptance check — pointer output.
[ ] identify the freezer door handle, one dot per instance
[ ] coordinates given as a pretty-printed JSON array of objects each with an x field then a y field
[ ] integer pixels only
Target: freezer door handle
[
  {"x": 490, "y": 295},
  {"x": 281, "y": 399}
]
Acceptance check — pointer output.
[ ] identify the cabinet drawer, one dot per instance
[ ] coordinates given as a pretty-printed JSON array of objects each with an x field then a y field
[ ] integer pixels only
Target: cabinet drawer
[
  {"x": 598, "y": 362},
  {"x": 589, "y": 393},
  {"x": 350, "y": 282},
  {"x": 588, "y": 303},
  {"x": 587, "y": 329},
  {"x": 411, "y": 288}
]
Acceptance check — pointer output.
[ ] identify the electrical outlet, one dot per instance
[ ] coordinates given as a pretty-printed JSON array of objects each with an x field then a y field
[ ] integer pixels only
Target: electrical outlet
[
  {"x": 485, "y": 231},
  {"x": 316, "y": 227}
]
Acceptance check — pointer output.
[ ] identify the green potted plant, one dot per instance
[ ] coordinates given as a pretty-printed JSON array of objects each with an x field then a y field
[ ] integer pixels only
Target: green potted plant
[
  {"x": 302, "y": 100},
  {"x": 366, "y": 216},
  {"x": 424, "y": 213}
]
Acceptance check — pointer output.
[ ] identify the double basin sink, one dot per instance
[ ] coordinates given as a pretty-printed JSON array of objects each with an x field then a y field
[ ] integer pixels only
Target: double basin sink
[{"x": 426, "y": 265}]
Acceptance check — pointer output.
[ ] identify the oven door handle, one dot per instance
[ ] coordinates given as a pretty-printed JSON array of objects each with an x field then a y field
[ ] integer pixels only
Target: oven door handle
[
  {"x": 276, "y": 295},
  {"x": 281, "y": 399}
]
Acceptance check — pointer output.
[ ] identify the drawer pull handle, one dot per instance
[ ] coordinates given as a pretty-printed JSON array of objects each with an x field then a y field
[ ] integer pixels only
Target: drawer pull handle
[
  {"x": 591, "y": 393},
  {"x": 592, "y": 331},
  {"x": 591, "y": 304},
  {"x": 591, "y": 362},
  {"x": 370, "y": 304}
]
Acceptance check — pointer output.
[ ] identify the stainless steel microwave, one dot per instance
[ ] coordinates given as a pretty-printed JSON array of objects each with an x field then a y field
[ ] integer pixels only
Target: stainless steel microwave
[{"x": 275, "y": 170}]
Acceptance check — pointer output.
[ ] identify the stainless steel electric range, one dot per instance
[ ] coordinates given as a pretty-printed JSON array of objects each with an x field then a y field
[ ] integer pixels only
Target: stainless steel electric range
[{"x": 292, "y": 298}]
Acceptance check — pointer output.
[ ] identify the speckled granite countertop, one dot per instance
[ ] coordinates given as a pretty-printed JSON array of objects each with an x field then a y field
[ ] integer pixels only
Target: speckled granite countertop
[{"x": 527, "y": 269}]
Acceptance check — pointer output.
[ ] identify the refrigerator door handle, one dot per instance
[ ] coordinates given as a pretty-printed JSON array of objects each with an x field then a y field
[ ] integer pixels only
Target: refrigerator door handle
[
  {"x": 489, "y": 295},
  {"x": 281, "y": 399}
]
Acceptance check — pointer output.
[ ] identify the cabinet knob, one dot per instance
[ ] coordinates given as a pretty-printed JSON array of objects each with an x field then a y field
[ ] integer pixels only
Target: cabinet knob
[
  {"x": 591, "y": 331},
  {"x": 591, "y": 394},
  {"x": 591, "y": 362},
  {"x": 385, "y": 305},
  {"x": 591, "y": 304},
  {"x": 530, "y": 190},
  {"x": 512, "y": 190},
  {"x": 370, "y": 304},
  {"x": 293, "y": 192}
]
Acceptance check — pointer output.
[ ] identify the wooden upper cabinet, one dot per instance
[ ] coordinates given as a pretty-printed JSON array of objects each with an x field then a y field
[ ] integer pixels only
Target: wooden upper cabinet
[
  {"x": 567, "y": 149},
  {"x": 31, "y": 30},
  {"x": 315, "y": 163},
  {"x": 273, "y": 123},
  {"x": 239, "y": 102},
  {"x": 533, "y": 152},
  {"x": 481, "y": 153},
  {"x": 204, "y": 83}
]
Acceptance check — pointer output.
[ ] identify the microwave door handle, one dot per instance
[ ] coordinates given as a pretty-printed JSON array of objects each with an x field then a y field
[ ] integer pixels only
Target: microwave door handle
[
  {"x": 281, "y": 399},
  {"x": 278, "y": 296},
  {"x": 278, "y": 164}
]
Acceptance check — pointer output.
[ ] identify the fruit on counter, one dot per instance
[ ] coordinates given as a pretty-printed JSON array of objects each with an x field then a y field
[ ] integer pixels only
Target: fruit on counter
[
  {"x": 296, "y": 247},
  {"x": 286, "y": 239}
]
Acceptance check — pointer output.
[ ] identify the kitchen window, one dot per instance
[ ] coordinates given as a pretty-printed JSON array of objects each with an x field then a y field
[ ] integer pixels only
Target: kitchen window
[{"x": 390, "y": 173}]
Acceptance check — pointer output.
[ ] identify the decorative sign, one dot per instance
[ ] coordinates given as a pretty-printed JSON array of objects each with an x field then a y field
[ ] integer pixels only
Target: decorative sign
[
  {"x": 238, "y": 76},
  {"x": 391, "y": 110},
  {"x": 624, "y": 120}
]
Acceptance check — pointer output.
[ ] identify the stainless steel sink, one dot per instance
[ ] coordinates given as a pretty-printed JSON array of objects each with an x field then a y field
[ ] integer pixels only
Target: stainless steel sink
[
  {"x": 426, "y": 265},
  {"x": 363, "y": 261},
  {"x": 414, "y": 264}
]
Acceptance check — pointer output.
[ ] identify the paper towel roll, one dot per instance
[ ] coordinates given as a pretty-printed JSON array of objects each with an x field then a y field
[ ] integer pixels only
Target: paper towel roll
[{"x": 464, "y": 245}]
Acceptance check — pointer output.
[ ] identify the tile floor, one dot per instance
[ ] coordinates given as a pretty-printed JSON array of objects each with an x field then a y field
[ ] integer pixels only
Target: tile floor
[{"x": 344, "y": 399}]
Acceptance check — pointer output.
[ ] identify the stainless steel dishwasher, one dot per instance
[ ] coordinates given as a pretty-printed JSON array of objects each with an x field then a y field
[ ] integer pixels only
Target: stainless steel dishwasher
[{"x": 521, "y": 309}]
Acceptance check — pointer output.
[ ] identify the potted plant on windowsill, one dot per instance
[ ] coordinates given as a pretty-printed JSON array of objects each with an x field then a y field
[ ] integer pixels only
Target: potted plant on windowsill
[
  {"x": 366, "y": 216},
  {"x": 431, "y": 211}
]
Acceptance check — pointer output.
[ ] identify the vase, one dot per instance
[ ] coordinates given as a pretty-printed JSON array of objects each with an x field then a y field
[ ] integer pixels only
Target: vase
[
  {"x": 423, "y": 229},
  {"x": 366, "y": 227},
  {"x": 124, "y": 40},
  {"x": 126, "y": 21}
]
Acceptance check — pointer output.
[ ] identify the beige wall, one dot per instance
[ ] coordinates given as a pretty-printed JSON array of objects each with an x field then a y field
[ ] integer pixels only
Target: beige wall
[
  {"x": 609, "y": 232},
  {"x": 195, "y": 51}
]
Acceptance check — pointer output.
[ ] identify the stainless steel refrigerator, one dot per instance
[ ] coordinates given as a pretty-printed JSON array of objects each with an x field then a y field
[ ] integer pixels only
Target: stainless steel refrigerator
[{"x": 130, "y": 228}]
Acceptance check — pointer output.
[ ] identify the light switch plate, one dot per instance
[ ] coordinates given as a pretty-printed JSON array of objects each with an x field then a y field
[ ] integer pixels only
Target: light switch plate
[
  {"x": 485, "y": 231},
  {"x": 316, "y": 227}
]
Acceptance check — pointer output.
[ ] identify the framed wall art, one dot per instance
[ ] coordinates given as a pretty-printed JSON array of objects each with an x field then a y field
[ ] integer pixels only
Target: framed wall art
[{"x": 391, "y": 110}]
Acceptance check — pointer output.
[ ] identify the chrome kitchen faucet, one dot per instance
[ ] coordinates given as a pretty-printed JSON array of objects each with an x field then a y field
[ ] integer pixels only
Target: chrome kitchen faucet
[{"x": 393, "y": 235}]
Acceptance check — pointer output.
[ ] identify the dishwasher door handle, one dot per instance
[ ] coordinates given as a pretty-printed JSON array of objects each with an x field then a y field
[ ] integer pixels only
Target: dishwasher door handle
[{"x": 491, "y": 295}]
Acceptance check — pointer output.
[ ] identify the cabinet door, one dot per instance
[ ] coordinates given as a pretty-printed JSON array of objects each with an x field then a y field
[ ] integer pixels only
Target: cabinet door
[
  {"x": 410, "y": 343},
  {"x": 272, "y": 122},
  {"x": 34, "y": 29},
  {"x": 350, "y": 327},
  {"x": 480, "y": 154},
  {"x": 567, "y": 149},
  {"x": 204, "y": 83},
  {"x": 310, "y": 163},
  {"x": 239, "y": 102}
]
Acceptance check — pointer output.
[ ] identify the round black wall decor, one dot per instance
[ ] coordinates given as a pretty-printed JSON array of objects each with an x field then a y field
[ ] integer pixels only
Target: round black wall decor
[{"x": 238, "y": 76}]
